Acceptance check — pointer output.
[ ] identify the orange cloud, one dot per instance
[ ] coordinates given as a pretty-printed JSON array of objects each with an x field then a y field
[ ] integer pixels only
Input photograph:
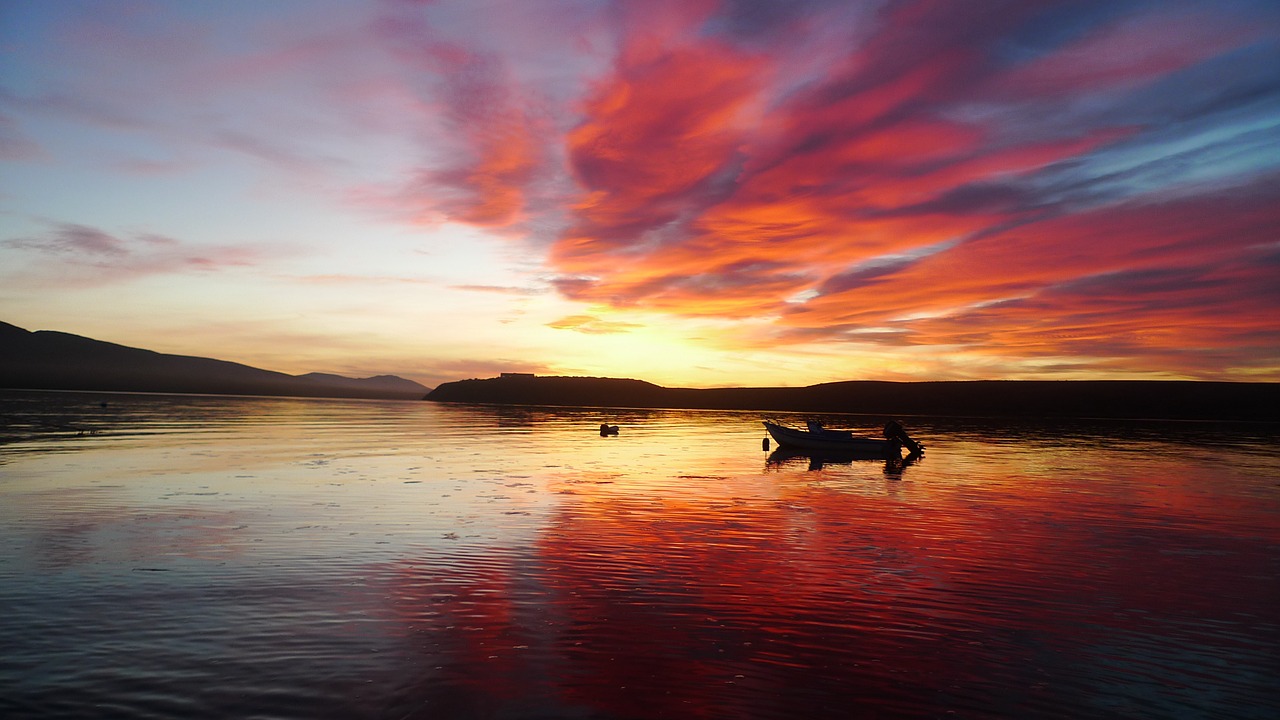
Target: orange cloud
[
  {"x": 929, "y": 193},
  {"x": 495, "y": 125},
  {"x": 1181, "y": 282},
  {"x": 657, "y": 138},
  {"x": 591, "y": 325}
]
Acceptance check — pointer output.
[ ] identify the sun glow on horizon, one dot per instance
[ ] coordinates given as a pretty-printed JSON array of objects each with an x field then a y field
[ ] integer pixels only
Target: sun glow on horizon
[{"x": 706, "y": 194}]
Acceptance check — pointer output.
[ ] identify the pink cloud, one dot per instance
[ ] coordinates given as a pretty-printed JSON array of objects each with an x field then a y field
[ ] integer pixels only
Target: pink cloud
[
  {"x": 496, "y": 127},
  {"x": 654, "y": 143},
  {"x": 1005, "y": 177},
  {"x": 1176, "y": 282},
  {"x": 883, "y": 190},
  {"x": 1128, "y": 51},
  {"x": 72, "y": 254}
]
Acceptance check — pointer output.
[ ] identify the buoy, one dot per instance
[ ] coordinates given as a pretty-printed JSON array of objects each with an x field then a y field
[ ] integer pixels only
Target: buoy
[{"x": 764, "y": 444}]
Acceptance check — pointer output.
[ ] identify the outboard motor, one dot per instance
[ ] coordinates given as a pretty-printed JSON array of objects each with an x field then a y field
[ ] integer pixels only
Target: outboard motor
[{"x": 893, "y": 431}]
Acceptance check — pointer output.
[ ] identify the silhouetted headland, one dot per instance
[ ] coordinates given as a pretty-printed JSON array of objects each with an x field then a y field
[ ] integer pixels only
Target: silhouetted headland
[
  {"x": 1178, "y": 400},
  {"x": 48, "y": 360}
]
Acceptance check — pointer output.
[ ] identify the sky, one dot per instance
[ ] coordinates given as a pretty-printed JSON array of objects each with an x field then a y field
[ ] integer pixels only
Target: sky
[{"x": 694, "y": 193}]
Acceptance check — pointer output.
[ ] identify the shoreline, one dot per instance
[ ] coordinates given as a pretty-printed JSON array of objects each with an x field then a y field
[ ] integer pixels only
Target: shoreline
[{"x": 1077, "y": 399}]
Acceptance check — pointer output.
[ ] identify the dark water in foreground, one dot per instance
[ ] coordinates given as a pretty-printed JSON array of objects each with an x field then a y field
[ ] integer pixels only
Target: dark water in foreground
[{"x": 231, "y": 557}]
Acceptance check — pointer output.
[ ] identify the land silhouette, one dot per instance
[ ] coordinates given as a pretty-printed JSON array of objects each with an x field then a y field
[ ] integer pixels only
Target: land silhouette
[
  {"x": 49, "y": 360},
  {"x": 1134, "y": 399}
]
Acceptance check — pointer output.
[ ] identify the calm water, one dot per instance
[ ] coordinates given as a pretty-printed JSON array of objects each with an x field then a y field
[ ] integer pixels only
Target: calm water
[{"x": 229, "y": 557}]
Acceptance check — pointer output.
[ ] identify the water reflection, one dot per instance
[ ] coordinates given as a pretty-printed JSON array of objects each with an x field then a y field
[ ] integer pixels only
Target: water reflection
[
  {"x": 815, "y": 460},
  {"x": 820, "y": 602},
  {"x": 245, "y": 557}
]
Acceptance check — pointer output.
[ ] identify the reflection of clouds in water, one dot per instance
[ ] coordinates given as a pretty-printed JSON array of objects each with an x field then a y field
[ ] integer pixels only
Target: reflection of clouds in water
[
  {"x": 623, "y": 588},
  {"x": 770, "y": 606},
  {"x": 464, "y": 565}
]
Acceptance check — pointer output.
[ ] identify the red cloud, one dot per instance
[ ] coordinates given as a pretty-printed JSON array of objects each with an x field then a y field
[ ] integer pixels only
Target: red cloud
[
  {"x": 490, "y": 191},
  {"x": 657, "y": 136},
  {"x": 1174, "y": 280},
  {"x": 691, "y": 177},
  {"x": 908, "y": 186}
]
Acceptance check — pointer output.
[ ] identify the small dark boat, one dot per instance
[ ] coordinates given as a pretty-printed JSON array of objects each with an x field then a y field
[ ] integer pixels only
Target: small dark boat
[{"x": 822, "y": 439}]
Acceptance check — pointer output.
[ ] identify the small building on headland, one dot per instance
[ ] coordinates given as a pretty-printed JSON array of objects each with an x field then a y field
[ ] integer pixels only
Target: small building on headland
[{"x": 517, "y": 376}]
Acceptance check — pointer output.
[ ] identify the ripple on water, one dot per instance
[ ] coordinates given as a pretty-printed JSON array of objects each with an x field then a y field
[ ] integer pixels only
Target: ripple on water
[{"x": 221, "y": 557}]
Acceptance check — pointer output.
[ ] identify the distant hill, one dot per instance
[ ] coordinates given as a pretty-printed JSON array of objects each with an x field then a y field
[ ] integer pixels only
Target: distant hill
[
  {"x": 1186, "y": 400},
  {"x": 401, "y": 388},
  {"x": 51, "y": 360}
]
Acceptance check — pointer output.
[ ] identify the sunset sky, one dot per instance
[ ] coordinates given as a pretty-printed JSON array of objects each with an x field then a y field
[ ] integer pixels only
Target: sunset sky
[{"x": 692, "y": 193}]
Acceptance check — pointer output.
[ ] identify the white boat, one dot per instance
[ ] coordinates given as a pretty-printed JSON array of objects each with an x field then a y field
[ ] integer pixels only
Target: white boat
[{"x": 822, "y": 439}]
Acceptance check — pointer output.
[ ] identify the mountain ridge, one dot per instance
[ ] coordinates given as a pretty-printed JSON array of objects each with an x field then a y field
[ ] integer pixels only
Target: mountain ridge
[{"x": 55, "y": 360}]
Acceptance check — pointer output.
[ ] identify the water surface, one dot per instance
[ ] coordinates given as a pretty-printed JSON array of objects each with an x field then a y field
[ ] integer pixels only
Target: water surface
[{"x": 186, "y": 556}]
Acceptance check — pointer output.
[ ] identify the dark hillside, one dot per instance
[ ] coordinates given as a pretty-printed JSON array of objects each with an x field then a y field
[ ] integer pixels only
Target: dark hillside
[
  {"x": 582, "y": 391},
  {"x": 992, "y": 398},
  {"x": 51, "y": 360}
]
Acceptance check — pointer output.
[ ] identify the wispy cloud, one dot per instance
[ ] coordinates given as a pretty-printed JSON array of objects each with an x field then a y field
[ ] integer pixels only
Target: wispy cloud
[
  {"x": 434, "y": 372},
  {"x": 1064, "y": 185},
  {"x": 1165, "y": 281},
  {"x": 591, "y": 325},
  {"x": 925, "y": 173},
  {"x": 498, "y": 127},
  {"x": 502, "y": 290},
  {"x": 16, "y": 145},
  {"x": 340, "y": 279},
  {"x": 78, "y": 255}
]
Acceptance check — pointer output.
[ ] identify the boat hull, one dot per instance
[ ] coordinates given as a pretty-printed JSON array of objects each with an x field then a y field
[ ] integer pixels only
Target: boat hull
[{"x": 804, "y": 440}]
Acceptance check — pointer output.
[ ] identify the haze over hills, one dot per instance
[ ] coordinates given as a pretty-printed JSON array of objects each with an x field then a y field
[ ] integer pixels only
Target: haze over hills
[
  {"x": 1183, "y": 400},
  {"x": 50, "y": 360}
]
